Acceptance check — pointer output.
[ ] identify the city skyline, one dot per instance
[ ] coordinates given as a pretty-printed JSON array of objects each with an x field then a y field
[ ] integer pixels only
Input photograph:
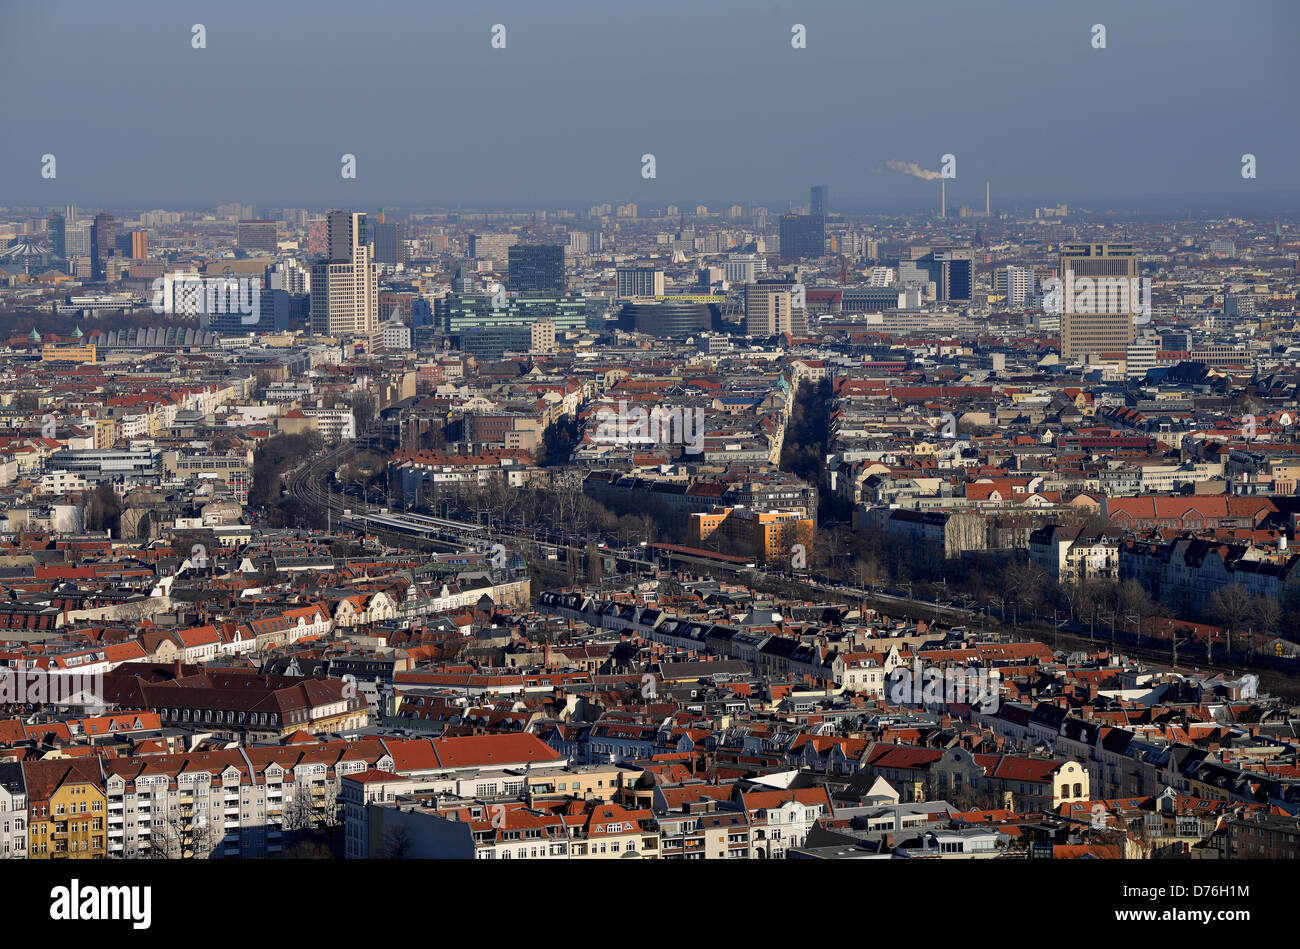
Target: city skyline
[{"x": 749, "y": 432}]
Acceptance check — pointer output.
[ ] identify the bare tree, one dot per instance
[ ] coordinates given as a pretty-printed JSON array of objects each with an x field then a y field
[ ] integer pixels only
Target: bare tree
[
  {"x": 1266, "y": 613},
  {"x": 1230, "y": 606},
  {"x": 179, "y": 837},
  {"x": 307, "y": 812},
  {"x": 1025, "y": 582},
  {"x": 1134, "y": 599},
  {"x": 498, "y": 497},
  {"x": 867, "y": 572},
  {"x": 397, "y": 842}
]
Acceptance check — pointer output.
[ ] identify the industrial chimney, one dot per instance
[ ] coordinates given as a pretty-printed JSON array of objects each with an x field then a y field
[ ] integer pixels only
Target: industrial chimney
[{"x": 943, "y": 197}]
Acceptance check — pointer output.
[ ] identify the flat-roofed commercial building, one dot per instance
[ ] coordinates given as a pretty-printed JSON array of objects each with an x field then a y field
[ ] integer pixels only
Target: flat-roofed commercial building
[
  {"x": 494, "y": 247},
  {"x": 639, "y": 282},
  {"x": 666, "y": 317},
  {"x": 95, "y": 465},
  {"x": 457, "y": 311},
  {"x": 389, "y": 246},
  {"x": 1101, "y": 320},
  {"x": 536, "y": 268},
  {"x": 257, "y": 237},
  {"x": 770, "y": 310},
  {"x": 803, "y": 235}
]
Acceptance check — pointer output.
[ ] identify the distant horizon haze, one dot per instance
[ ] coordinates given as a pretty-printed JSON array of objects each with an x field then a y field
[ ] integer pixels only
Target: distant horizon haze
[{"x": 560, "y": 117}]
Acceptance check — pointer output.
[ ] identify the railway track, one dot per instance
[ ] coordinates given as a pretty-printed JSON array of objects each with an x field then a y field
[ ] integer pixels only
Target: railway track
[
  {"x": 1274, "y": 681},
  {"x": 307, "y": 484}
]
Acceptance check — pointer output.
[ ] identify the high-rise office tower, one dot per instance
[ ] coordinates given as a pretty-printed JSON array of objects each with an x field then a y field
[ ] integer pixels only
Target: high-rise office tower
[
  {"x": 821, "y": 197},
  {"x": 639, "y": 281},
  {"x": 952, "y": 271},
  {"x": 345, "y": 285},
  {"x": 494, "y": 247},
  {"x": 956, "y": 274},
  {"x": 1018, "y": 283},
  {"x": 103, "y": 243},
  {"x": 768, "y": 308},
  {"x": 345, "y": 231},
  {"x": 257, "y": 237},
  {"x": 802, "y": 236},
  {"x": 56, "y": 232},
  {"x": 389, "y": 248},
  {"x": 77, "y": 239},
  {"x": 537, "y": 268},
  {"x": 133, "y": 244},
  {"x": 1097, "y": 316}
]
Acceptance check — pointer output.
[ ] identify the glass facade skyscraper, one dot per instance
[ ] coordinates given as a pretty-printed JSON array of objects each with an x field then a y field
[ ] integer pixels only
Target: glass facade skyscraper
[
  {"x": 821, "y": 198},
  {"x": 103, "y": 243},
  {"x": 56, "y": 231},
  {"x": 537, "y": 268},
  {"x": 803, "y": 235}
]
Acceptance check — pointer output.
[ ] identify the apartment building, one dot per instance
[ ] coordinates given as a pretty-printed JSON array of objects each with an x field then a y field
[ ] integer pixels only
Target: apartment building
[
  {"x": 13, "y": 811},
  {"x": 772, "y": 537},
  {"x": 1071, "y": 554},
  {"x": 421, "y": 827},
  {"x": 779, "y": 820},
  {"x": 240, "y": 705},
  {"x": 66, "y": 809},
  {"x": 242, "y": 803}
]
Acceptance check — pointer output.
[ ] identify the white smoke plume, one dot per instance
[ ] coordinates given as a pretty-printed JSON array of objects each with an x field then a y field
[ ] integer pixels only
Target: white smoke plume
[{"x": 912, "y": 168}]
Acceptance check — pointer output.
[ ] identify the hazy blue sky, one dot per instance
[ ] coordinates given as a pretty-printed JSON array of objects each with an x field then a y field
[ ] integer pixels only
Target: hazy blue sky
[{"x": 733, "y": 114}]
